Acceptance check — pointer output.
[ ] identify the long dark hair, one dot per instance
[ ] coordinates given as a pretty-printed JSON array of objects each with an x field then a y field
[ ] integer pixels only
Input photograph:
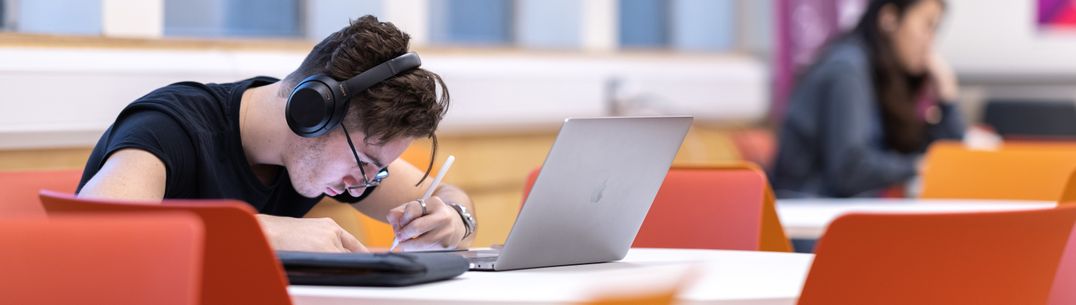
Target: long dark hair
[{"x": 897, "y": 91}]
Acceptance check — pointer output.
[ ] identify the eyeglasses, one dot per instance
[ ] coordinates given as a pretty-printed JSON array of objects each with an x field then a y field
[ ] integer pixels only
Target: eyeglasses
[{"x": 366, "y": 182}]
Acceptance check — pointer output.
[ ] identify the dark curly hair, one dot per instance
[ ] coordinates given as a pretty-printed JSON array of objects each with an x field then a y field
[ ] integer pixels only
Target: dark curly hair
[{"x": 405, "y": 105}]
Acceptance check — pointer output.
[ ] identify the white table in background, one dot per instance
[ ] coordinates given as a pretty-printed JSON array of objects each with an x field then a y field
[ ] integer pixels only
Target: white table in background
[
  {"x": 808, "y": 218},
  {"x": 722, "y": 277}
]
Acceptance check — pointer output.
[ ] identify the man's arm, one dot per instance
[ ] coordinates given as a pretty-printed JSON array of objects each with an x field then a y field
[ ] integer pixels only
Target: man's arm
[
  {"x": 136, "y": 174},
  {"x": 129, "y": 173},
  {"x": 394, "y": 202}
]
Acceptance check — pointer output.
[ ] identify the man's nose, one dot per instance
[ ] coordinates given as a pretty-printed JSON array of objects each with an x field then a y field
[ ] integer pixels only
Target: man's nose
[{"x": 352, "y": 180}]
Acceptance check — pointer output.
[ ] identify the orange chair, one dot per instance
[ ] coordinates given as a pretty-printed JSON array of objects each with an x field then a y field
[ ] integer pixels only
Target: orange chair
[
  {"x": 97, "y": 260},
  {"x": 18, "y": 190},
  {"x": 1015, "y": 171},
  {"x": 718, "y": 207},
  {"x": 1066, "y": 270},
  {"x": 955, "y": 258},
  {"x": 662, "y": 287},
  {"x": 240, "y": 267},
  {"x": 658, "y": 298}
]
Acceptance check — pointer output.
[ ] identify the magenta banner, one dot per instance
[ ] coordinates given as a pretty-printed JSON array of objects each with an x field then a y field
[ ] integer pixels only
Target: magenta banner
[
  {"x": 803, "y": 27},
  {"x": 1057, "y": 14}
]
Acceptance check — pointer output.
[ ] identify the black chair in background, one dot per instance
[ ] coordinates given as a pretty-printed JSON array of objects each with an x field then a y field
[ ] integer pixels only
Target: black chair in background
[{"x": 1031, "y": 119}]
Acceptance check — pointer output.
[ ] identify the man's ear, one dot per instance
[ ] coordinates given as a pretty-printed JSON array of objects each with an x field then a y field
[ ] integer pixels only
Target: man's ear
[{"x": 888, "y": 21}]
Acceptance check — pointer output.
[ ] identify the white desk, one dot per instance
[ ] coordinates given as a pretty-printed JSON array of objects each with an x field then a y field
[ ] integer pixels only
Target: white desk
[
  {"x": 724, "y": 277},
  {"x": 808, "y": 218}
]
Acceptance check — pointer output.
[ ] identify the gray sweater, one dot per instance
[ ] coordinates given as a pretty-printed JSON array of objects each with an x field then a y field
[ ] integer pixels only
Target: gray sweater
[{"x": 832, "y": 143}]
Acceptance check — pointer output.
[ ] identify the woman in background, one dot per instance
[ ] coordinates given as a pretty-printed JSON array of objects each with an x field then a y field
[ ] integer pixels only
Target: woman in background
[{"x": 856, "y": 124}]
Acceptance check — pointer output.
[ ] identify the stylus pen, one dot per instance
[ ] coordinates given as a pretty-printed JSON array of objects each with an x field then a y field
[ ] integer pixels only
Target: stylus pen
[{"x": 429, "y": 191}]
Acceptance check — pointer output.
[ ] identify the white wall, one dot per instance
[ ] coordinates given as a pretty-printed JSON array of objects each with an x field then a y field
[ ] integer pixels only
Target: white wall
[
  {"x": 999, "y": 52},
  {"x": 1001, "y": 37},
  {"x": 66, "y": 97}
]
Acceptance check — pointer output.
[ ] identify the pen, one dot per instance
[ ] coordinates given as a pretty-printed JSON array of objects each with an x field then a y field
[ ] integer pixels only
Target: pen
[{"x": 429, "y": 192}]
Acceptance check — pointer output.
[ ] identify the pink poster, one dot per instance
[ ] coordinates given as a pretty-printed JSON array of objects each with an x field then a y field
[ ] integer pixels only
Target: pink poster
[{"x": 1057, "y": 14}]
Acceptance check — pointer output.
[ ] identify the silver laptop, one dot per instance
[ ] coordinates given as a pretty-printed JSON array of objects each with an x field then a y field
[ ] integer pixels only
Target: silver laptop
[{"x": 592, "y": 194}]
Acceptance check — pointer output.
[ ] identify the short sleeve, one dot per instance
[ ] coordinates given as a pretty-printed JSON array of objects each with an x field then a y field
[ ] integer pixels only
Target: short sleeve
[{"x": 159, "y": 134}]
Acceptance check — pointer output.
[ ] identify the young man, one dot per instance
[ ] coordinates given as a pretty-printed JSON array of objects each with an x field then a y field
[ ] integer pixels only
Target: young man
[{"x": 245, "y": 141}]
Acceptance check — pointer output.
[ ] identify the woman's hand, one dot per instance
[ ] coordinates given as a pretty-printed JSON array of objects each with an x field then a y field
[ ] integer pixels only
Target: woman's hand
[{"x": 943, "y": 77}]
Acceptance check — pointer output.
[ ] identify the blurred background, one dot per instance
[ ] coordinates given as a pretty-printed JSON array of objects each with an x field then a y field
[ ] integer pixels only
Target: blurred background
[{"x": 515, "y": 68}]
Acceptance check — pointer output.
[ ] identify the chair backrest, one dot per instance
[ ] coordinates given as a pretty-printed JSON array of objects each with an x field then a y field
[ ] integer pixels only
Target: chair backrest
[
  {"x": 715, "y": 207},
  {"x": 240, "y": 267},
  {"x": 655, "y": 285},
  {"x": 945, "y": 258},
  {"x": 1068, "y": 195},
  {"x": 1011, "y": 172},
  {"x": 102, "y": 259},
  {"x": 18, "y": 190},
  {"x": 667, "y": 297}
]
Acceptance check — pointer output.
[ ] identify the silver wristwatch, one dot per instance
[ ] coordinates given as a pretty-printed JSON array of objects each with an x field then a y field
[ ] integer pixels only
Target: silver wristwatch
[{"x": 468, "y": 220}]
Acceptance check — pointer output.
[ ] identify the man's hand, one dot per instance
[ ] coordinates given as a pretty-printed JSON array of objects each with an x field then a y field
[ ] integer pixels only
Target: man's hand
[
  {"x": 308, "y": 234},
  {"x": 440, "y": 228}
]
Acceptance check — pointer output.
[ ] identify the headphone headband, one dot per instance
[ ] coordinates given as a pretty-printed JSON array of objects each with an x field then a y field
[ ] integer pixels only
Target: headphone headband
[{"x": 380, "y": 73}]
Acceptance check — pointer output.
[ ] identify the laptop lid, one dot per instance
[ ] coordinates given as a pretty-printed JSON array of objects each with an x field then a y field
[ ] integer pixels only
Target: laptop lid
[{"x": 593, "y": 192}]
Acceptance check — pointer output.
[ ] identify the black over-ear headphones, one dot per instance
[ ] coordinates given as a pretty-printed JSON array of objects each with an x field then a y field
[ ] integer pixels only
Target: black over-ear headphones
[{"x": 319, "y": 103}]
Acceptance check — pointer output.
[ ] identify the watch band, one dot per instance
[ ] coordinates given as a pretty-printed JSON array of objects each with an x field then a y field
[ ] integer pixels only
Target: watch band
[{"x": 469, "y": 223}]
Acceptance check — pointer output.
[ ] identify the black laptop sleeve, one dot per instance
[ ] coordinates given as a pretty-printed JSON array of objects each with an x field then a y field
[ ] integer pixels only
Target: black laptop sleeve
[{"x": 370, "y": 269}]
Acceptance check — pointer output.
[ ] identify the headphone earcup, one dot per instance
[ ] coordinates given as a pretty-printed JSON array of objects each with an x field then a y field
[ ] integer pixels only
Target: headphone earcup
[{"x": 314, "y": 107}]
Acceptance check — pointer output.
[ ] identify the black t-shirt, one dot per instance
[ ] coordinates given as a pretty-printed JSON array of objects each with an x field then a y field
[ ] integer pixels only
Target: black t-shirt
[{"x": 193, "y": 128}]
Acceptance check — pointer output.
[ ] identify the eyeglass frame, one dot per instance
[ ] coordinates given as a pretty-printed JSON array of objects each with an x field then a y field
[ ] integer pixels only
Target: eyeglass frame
[{"x": 366, "y": 182}]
